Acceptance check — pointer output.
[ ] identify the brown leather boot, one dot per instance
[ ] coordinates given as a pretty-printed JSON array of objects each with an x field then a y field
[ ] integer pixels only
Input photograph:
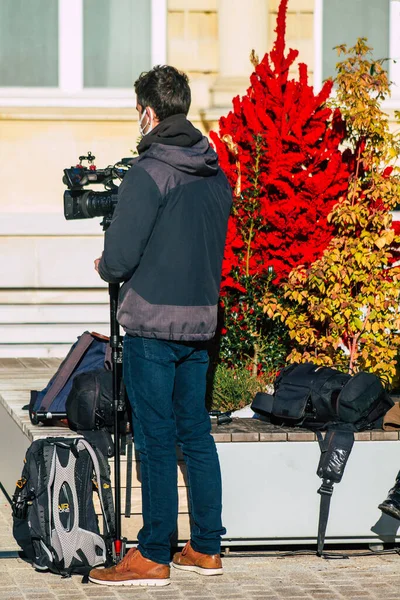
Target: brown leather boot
[
  {"x": 203, "y": 564},
  {"x": 134, "y": 569}
]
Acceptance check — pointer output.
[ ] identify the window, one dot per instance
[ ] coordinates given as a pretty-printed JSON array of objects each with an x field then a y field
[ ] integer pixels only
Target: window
[
  {"x": 77, "y": 52},
  {"x": 28, "y": 43},
  {"x": 343, "y": 21},
  {"x": 116, "y": 42}
]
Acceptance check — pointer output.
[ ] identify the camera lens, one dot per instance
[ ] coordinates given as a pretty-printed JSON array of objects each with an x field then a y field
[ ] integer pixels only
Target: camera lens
[{"x": 86, "y": 205}]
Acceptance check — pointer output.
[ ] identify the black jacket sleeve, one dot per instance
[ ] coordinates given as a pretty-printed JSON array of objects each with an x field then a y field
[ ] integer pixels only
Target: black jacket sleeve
[{"x": 139, "y": 201}]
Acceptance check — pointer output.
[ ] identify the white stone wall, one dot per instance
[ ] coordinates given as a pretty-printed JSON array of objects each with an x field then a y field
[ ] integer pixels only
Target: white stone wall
[{"x": 49, "y": 291}]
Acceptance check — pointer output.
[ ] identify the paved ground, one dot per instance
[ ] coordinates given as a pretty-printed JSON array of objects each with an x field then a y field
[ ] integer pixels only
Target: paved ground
[{"x": 248, "y": 576}]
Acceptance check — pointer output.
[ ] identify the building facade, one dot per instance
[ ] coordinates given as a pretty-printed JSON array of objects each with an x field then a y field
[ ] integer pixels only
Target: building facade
[{"x": 66, "y": 74}]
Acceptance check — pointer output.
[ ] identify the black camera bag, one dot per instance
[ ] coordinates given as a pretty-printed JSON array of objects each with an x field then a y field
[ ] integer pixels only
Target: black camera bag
[
  {"x": 323, "y": 398},
  {"x": 89, "y": 404},
  {"x": 308, "y": 395}
]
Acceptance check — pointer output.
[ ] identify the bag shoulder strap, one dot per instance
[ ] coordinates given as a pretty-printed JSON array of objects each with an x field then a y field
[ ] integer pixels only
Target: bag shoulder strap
[
  {"x": 108, "y": 358},
  {"x": 101, "y": 470},
  {"x": 66, "y": 369},
  {"x": 335, "y": 451}
]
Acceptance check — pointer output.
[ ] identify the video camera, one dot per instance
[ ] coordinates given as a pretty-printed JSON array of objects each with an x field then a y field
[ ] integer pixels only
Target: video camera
[{"x": 86, "y": 204}]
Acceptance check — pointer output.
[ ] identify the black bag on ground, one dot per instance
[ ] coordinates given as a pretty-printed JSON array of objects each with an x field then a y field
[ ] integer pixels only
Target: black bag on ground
[
  {"x": 54, "y": 517},
  {"x": 89, "y": 404},
  {"x": 322, "y": 398},
  {"x": 308, "y": 395}
]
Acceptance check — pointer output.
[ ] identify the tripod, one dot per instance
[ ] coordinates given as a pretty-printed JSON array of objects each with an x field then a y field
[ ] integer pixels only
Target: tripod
[{"x": 119, "y": 409}]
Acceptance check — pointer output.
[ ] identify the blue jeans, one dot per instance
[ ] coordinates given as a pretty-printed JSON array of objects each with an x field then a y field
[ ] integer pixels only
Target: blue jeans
[{"x": 166, "y": 384}]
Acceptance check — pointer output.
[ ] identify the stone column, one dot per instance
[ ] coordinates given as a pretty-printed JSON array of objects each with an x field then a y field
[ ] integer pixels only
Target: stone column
[{"x": 242, "y": 26}]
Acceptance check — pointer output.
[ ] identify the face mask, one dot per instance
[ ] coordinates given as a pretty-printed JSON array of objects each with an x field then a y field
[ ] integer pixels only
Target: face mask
[{"x": 149, "y": 123}]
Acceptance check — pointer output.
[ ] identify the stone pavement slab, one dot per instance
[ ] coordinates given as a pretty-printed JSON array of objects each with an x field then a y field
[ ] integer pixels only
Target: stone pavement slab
[{"x": 248, "y": 576}]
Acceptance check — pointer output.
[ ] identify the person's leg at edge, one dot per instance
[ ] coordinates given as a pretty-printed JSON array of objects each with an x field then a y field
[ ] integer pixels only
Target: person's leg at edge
[
  {"x": 199, "y": 451},
  {"x": 149, "y": 370}
]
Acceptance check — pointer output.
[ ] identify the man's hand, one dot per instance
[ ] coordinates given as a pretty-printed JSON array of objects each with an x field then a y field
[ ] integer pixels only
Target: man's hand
[{"x": 96, "y": 264}]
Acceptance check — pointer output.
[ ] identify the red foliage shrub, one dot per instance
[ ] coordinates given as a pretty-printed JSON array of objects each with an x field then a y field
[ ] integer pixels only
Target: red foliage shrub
[{"x": 280, "y": 146}]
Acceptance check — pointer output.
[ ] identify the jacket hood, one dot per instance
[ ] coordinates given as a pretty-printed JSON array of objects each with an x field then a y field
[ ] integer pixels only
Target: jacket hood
[
  {"x": 199, "y": 159},
  {"x": 176, "y": 142}
]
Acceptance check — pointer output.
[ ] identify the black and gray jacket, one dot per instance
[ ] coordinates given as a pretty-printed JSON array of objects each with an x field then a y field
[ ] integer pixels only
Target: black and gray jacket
[{"x": 167, "y": 236}]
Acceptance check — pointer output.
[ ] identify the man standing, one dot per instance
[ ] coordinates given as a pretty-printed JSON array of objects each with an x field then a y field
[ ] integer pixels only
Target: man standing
[{"x": 166, "y": 244}]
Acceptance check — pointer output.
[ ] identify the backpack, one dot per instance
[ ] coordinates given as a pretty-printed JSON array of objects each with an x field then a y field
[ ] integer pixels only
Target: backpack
[
  {"x": 90, "y": 352},
  {"x": 323, "y": 398},
  {"x": 54, "y": 519}
]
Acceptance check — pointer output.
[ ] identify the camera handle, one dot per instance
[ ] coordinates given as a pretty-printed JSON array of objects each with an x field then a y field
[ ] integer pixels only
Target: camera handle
[{"x": 119, "y": 407}]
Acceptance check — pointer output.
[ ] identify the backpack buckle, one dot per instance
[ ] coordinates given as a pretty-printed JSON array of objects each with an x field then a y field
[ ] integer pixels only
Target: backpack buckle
[{"x": 326, "y": 488}]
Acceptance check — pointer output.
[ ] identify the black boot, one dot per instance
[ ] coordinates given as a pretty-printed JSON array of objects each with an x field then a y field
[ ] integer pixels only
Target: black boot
[{"x": 391, "y": 506}]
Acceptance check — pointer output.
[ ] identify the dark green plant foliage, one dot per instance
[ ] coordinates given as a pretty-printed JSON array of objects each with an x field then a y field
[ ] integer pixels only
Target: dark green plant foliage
[
  {"x": 248, "y": 334},
  {"x": 234, "y": 388}
]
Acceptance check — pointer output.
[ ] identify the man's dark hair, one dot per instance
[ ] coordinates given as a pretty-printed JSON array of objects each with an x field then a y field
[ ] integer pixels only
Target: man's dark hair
[{"x": 164, "y": 89}]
